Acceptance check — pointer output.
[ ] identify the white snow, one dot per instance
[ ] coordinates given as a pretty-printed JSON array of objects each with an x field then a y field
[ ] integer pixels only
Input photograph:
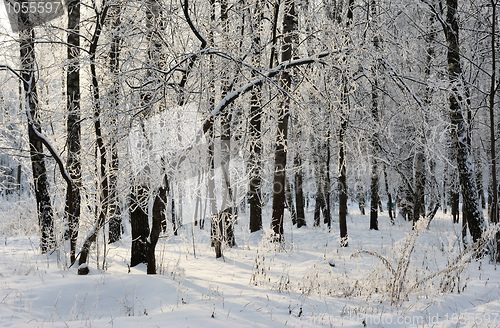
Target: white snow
[{"x": 311, "y": 282}]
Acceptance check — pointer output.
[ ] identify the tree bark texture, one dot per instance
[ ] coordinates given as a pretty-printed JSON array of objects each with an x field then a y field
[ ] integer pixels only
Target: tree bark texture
[
  {"x": 468, "y": 185},
  {"x": 73, "y": 126},
  {"x": 289, "y": 25},
  {"x": 40, "y": 181}
]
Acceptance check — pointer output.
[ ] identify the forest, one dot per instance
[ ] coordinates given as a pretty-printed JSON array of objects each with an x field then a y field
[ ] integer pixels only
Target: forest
[{"x": 360, "y": 132}]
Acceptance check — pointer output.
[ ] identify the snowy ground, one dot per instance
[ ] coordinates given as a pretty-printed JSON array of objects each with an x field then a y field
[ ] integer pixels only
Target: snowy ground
[{"x": 311, "y": 282}]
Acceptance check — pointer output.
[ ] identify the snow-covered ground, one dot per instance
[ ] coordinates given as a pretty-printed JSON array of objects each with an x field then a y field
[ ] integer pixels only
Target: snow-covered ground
[{"x": 310, "y": 282}]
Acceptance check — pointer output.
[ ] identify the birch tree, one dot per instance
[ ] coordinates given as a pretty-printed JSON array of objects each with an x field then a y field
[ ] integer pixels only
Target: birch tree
[{"x": 450, "y": 24}]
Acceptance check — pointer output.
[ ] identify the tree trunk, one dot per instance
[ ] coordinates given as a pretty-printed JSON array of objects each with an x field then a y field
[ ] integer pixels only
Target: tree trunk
[
  {"x": 479, "y": 180},
  {"x": 299, "y": 192},
  {"x": 40, "y": 181},
  {"x": 320, "y": 197},
  {"x": 139, "y": 225},
  {"x": 326, "y": 186},
  {"x": 289, "y": 25},
  {"x": 173, "y": 212},
  {"x": 73, "y": 127},
  {"x": 419, "y": 187},
  {"x": 374, "y": 185},
  {"x": 254, "y": 190},
  {"x": 455, "y": 199},
  {"x": 374, "y": 198},
  {"x": 342, "y": 182},
  {"x": 494, "y": 212},
  {"x": 104, "y": 192},
  {"x": 289, "y": 201},
  {"x": 115, "y": 222},
  {"x": 389, "y": 198},
  {"x": 445, "y": 186},
  {"x": 342, "y": 171},
  {"x": 216, "y": 229},
  {"x": 254, "y": 166},
  {"x": 227, "y": 193},
  {"x": 159, "y": 214},
  {"x": 468, "y": 185}
]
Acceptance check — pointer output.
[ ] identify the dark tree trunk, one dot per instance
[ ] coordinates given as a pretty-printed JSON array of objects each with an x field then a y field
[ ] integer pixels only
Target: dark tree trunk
[
  {"x": 227, "y": 193},
  {"x": 139, "y": 225},
  {"x": 255, "y": 193},
  {"x": 104, "y": 192},
  {"x": 374, "y": 195},
  {"x": 73, "y": 127},
  {"x": 455, "y": 199},
  {"x": 419, "y": 187},
  {"x": 494, "y": 212},
  {"x": 326, "y": 186},
  {"x": 468, "y": 185},
  {"x": 159, "y": 214},
  {"x": 197, "y": 208},
  {"x": 320, "y": 200},
  {"x": 342, "y": 171},
  {"x": 115, "y": 221},
  {"x": 420, "y": 159},
  {"x": 164, "y": 193},
  {"x": 297, "y": 159},
  {"x": 289, "y": 25},
  {"x": 254, "y": 169},
  {"x": 160, "y": 205},
  {"x": 216, "y": 229},
  {"x": 143, "y": 250},
  {"x": 40, "y": 181},
  {"x": 173, "y": 212},
  {"x": 289, "y": 201},
  {"x": 342, "y": 184},
  {"x": 299, "y": 192},
  {"x": 374, "y": 185},
  {"x": 445, "y": 186},
  {"x": 320, "y": 170},
  {"x": 479, "y": 181},
  {"x": 389, "y": 198}
]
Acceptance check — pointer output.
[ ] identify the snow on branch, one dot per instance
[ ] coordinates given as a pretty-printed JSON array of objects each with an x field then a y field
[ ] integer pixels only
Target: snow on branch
[
  {"x": 39, "y": 135},
  {"x": 402, "y": 84},
  {"x": 50, "y": 148},
  {"x": 231, "y": 97}
]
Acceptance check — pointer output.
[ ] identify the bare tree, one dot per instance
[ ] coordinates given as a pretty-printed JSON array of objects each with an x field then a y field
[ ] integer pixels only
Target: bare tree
[
  {"x": 289, "y": 26},
  {"x": 254, "y": 166},
  {"x": 73, "y": 125},
  {"x": 40, "y": 181},
  {"x": 101, "y": 147},
  {"x": 115, "y": 222},
  {"x": 494, "y": 212},
  {"x": 450, "y": 25},
  {"x": 374, "y": 185}
]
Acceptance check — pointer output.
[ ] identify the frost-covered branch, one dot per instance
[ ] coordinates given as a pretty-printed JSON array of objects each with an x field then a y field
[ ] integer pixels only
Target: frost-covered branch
[
  {"x": 231, "y": 97},
  {"x": 196, "y": 32},
  {"x": 265, "y": 77},
  {"x": 51, "y": 150},
  {"x": 8, "y": 68},
  {"x": 39, "y": 135},
  {"x": 402, "y": 84}
]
